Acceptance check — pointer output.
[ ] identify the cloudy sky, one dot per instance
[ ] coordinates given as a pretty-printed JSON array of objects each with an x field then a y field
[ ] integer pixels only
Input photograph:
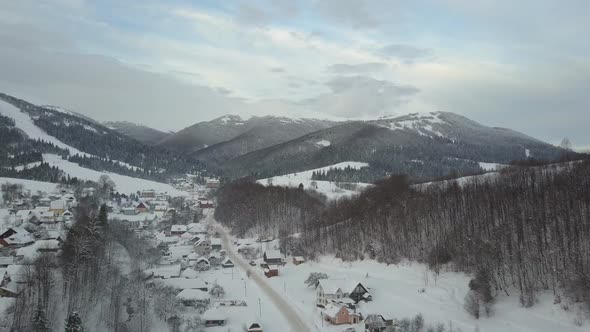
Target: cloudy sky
[{"x": 168, "y": 64}]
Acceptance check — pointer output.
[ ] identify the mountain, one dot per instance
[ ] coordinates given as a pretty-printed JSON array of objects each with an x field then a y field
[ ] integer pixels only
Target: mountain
[
  {"x": 245, "y": 135},
  {"x": 423, "y": 145},
  {"x": 52, "y": 145},
  {"x": 139, "y": 132},
  {"x": 261, "y": 132}
]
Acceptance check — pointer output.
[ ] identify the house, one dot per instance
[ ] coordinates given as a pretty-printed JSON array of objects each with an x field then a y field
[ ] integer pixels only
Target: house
[
  {"x": 16, "y": 237},
  {"x": 298, "y": 260},
  {"x": 5, "y": 261},
  {"x": 26, "y": 216},
  {"x": 273, "y": 257},
  {"x": 195, "y": 228},
  {"x": 203, "y": 246},
  {"x": 142, "y": 207},
  {"x": 58, "y": 206},
  {"x": 376, "y": 323},
  {"x": 205, "y": 204},
  {"x": 47, "y": 217},
  {"x": 9, "y": 290},
  {"x": 129, "y": 211},
  {"x": 214, "y": 317},
  {"x": 338, "y": 315},
  {"x": 177, "y": 230},
  {"x": 148, "y": 193},
  {"x": 192, "y": 297},
  {"x": 164, "y": 271},
  {"x": 215, "y": 244},
  {"x": 227, "y": 263},
  {"x": 271, "y": 271},
  {"x": 328, "y": 290},
  {"x": 161, "y": 206},
  {"x": 253, "y": 327},
  {"x": 213, "y": 184},
  {"x": 67, "y": 215},
  {"x": 48, "y": 246},
  {"x": 44, "y": 201},
  {"x": 184, "y": 283}
]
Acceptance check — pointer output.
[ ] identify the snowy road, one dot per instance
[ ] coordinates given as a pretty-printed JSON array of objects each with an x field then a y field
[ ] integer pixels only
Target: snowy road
[{"x": 297, "y": 322}]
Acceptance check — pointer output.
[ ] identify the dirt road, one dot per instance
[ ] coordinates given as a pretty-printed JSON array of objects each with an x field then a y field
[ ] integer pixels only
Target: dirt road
[{"x": 297, "y": 323}]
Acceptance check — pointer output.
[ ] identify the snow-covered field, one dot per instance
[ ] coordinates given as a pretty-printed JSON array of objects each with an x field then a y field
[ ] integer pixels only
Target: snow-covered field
[
  {"x": 333, "y": 190},
  {"x": 396, "y": 291}
]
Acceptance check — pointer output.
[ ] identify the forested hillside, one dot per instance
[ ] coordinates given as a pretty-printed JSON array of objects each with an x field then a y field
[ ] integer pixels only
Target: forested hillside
[
  {"x": 423, "y": 146},
  {"x": 247, "y": 206},
  {"x": 104, "y": 149},
  {"x": 525, "y": 228}
]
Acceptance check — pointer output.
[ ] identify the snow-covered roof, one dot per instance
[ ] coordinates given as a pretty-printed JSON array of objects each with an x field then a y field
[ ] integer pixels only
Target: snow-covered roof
[
  {"x": 22, "y": 236},
  {"x": 331, "y": 286},
  {"x": 193, "y": 294},
  {"x": 6, "y": 261},
  {"x": 48, "y": 244},
  {"x": 178, "y": 228},
  {"x": 227, "y": 261},
  {"x": 189, "y": 274},
  {"x": 214, "y": 314},
  {"x": 185, "y": 283},
  {"x": 299, "y": 259},
  {"x": 331, "y": 310},
  {"x": 215, "y": 241},
  {"x": 59, "y": 204},
  {"x": 165, "y": 271},
  {"x": 273, "y": 254}
]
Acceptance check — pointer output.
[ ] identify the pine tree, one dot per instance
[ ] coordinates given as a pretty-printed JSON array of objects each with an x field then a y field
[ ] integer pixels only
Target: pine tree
[
  {"x": 40, "y": 321},
  {"x": 74, "y": 323},
  {"x": 103, "y": 216}
]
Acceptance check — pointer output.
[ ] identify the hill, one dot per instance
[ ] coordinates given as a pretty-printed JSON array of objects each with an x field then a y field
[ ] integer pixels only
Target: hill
[
  {"x": 424, "y": 146},
  {"x": 141, "y": 133},
  {"x": 238, "y": 135}
]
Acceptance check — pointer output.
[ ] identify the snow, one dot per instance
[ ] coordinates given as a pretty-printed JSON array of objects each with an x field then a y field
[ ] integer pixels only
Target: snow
[
  {"x": 397, "y": 293},
  {"x": 328, "y": 188},
  {"x": 27, "y": 166},
  {"x": 24, "y": 122},
  {"x": 527, "y": 153},
  {"x": 323, "y": 143},
  {"x": 125, "y": 184},
  {"x": 421, "y": 124},
  {"x": 491, "y": 166}
]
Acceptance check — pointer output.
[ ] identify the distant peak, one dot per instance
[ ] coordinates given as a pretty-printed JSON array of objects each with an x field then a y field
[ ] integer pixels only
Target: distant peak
[{"x": 228, "y": 118}]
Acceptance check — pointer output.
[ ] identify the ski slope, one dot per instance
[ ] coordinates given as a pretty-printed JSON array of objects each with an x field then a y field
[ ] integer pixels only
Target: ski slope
[
  {"x": 125, "y": 184},
  {"x": 332, "y": 190}
]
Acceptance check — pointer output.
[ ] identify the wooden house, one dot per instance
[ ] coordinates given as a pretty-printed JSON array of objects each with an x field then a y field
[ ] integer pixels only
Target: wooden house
[
  {"x": 338, "y": 315},
  {"x": 273, "y": 257},
  {"x": 214, "y": 317},
  {"x": 271, "y": 271},
  {"x": 142, "y": 207}
]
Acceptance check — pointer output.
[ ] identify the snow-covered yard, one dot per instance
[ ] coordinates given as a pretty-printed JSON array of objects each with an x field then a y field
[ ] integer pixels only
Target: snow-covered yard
[{"x": 397, "y": 293}]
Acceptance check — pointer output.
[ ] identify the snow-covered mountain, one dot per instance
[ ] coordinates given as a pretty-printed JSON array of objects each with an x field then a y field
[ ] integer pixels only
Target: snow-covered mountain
[
  {"x": 52, "y": 145},
  {"x": 237, "y": 136},
  {"x": 136, "y": 131},
  {"x": 427, "y": 145}
]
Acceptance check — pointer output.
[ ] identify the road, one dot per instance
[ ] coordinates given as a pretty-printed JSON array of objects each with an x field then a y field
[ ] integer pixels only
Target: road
[{"x": 295, "y": 320}]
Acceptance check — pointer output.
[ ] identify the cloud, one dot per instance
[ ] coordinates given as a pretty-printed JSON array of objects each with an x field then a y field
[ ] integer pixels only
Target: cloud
[
  {"x": 341, "y": 68},
  {"x": 277, "y": 70},
  {"x": 361, "y": 97},
  {"x": 354, "y": 13},
  {"x": 404, "y": 52}
]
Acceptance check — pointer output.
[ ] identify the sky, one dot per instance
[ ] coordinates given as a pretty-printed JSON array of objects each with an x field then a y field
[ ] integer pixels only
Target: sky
[{"x": 168, "y": 64}]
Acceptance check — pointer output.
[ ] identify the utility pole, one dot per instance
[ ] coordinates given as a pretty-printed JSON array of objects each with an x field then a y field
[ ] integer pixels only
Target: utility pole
[
  {"x": 259, "y": 307},
  {"x": 245, "y": 289}
]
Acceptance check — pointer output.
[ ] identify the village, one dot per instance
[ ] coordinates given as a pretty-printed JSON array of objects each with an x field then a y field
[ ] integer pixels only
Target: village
[
  {"x": 229, "y": 283},
  {"x": 194, "y": 260}
]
